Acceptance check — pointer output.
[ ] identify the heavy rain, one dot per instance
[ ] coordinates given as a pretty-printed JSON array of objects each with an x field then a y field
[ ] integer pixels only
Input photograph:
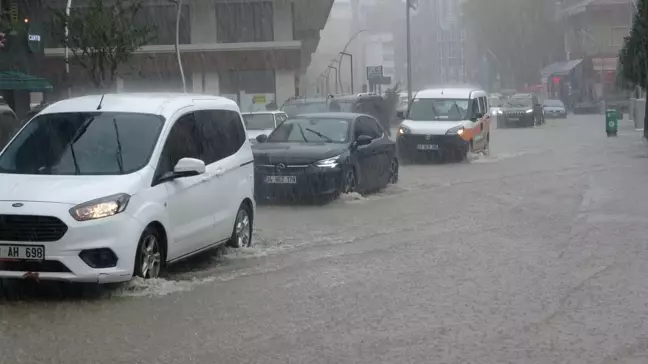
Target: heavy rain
[{"x": 323, "y": 181}]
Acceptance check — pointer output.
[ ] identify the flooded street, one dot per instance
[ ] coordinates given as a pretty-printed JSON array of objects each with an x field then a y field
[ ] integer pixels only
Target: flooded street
[{"x": 535, "y": 253}]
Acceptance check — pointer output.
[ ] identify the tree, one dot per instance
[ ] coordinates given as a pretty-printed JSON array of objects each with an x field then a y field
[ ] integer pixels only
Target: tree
[
  {"x": 519, "y": 36},
  {"x": 101, "y": 37},
  {"x": 633, "y": 57}
]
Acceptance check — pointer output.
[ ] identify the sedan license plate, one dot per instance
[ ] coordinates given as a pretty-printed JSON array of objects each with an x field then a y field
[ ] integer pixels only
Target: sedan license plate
[
  {"x": 22, "y": 252},
  {"x": 514, "y": 119},
  {"x": 281, "y": 179},
  {"x": 427, "y": 147}
]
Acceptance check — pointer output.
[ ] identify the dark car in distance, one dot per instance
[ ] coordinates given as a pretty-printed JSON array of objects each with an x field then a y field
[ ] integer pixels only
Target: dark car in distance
[
  {"x": 521, "y": 110},
  {"x": 323, "y": 155}
]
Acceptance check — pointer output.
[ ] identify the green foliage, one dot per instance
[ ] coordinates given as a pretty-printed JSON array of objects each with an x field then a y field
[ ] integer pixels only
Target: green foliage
[
  {"x": 102, "y": 36},
  {"x": 633, "y": 57},
  {"x": 520, "y": 33}
]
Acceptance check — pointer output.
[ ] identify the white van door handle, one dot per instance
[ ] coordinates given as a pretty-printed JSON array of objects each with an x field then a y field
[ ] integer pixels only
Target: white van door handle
[
  {"x": 206, "y": 178},
  {"x": 219, "y": 172}
]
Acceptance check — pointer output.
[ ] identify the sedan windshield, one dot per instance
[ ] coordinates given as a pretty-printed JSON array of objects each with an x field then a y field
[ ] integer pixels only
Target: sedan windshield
[
  {"x": 519, "y": 102},
  {"x": 554, "y": 103},
  {"x": 88, "y": 143},
  {"x": 311, "y": 130},
  {"x": 439, "y": 110},
  {"x": 259, "y": 121}
]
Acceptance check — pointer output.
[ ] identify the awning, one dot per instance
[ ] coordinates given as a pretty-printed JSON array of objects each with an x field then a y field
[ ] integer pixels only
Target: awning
[
  {"x": 14, "y": 80},
  {"x": 560, "y": 68}
]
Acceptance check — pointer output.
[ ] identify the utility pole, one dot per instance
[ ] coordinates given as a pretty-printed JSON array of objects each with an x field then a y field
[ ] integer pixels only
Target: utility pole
[{"x": 409, "y": 4}]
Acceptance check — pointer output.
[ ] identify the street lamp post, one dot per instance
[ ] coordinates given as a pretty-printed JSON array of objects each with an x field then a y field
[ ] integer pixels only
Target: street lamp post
[
  {"x": 350, "y": 67},
  {"x": 336, "y": 77},
  {"x": 177, "y": 45},
  {"x": 68, "y": 6},
  {"x": 408, "y": 6}
]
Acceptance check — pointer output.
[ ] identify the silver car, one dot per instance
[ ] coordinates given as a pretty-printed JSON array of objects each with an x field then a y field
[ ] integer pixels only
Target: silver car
[{"x": 262, "y": 122}]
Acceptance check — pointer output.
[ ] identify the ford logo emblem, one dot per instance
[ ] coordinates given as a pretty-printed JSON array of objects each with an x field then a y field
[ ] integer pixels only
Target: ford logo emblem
[{"x": 17, "y": 204}]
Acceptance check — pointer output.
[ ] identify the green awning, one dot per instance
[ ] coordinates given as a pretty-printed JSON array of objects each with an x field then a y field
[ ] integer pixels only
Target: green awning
[{"x": 13, "y": 80}]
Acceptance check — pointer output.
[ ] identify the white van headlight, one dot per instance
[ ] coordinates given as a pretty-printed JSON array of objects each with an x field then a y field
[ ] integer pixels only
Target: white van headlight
[
  {"x": 328, "y": 162},
  {"x": 404, "y": 130},
  {"x": 529, "y": 111},
  {"x": 456, "y": 130},
  {"x": 101, "y": 207}
]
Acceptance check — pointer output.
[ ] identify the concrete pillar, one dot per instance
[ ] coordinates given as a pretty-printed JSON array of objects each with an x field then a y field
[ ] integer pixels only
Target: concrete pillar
[
  {"x": 119, "y": 84},
  {"x": 282, "y": 20},
  {"x": 284, "y": 85}
]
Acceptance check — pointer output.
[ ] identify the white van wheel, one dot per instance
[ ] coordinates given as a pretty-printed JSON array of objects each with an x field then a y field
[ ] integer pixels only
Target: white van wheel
[{"x": 242, "y": 231}]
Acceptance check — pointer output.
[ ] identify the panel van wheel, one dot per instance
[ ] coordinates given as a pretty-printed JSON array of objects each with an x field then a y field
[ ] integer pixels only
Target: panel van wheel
[
  {"x": 487, "y": 146},
  {"x": 242, "y": 231},
  {"x": 149, "y": 259}
]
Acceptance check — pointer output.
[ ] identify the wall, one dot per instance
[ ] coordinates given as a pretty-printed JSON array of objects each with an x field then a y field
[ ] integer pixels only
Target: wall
[{"x": 285, "y": 85}]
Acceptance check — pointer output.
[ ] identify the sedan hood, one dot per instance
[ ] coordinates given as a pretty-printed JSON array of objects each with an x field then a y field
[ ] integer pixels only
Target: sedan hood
[
  {"x": 516, "y": 109},
  {"x": 433, "y": 127},
  {"x": 71, "y": 190},
  {"x": 295, "y": 153}
]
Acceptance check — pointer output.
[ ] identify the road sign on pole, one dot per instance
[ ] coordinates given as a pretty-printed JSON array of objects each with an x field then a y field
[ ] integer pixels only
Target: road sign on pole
[{"x": 374, "y": 74}]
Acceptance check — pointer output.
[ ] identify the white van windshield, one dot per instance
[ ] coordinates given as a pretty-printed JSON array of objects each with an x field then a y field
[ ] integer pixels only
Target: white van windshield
[
  {"x": 439, "y": 110},
  {"x": 83, "y": 143}
]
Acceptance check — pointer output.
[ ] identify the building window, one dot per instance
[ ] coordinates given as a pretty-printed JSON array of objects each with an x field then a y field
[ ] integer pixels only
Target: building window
[
  {"x": 244, "y": 22},
  {"x": 163, "y": 19}
]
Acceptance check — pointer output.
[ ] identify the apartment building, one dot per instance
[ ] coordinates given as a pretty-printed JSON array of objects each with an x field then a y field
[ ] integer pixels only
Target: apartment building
[
  {"x": 595, "y": 29},
  {"x": 252, "y": 51}
]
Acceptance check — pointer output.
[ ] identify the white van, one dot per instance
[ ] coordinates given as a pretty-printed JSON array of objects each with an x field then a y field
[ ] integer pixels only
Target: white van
[
  {"x": 445, "y": 121},
  {"x": 104, "y": 188}
]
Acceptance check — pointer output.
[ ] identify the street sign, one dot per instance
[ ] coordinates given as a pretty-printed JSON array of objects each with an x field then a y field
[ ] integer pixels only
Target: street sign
[{"x": 374, "y": 74}]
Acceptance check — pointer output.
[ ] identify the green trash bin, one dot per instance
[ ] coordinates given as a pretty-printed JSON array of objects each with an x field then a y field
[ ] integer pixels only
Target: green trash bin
[{"x": 611, "y": 122}]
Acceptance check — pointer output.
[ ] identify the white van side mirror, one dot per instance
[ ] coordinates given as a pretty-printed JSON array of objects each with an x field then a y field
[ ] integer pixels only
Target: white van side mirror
[{"x": 187, "y": 167}]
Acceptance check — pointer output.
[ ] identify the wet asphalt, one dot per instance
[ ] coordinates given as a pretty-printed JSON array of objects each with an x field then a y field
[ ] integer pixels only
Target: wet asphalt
[{"x": 535, "y": 253}]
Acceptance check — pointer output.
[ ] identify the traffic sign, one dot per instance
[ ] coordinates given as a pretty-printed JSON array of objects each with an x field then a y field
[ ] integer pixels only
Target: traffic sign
[{"x": 374, "y": 74}]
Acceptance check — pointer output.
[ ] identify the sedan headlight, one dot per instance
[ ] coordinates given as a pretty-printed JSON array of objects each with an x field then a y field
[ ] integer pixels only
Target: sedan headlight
[
  {"x": 404, "y": 130},
  {"x": 328, "y": 162},
  {"x": 529, "y": 111},
  {"x": 458, "y": 130},
  {"x": 100, "y": 208}
]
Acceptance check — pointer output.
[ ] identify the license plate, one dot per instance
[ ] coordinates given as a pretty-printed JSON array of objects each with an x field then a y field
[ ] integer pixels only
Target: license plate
[
  {"x": 281, "y": 179},
  {"x": 22, "y": 252},
  {"x": 514, "y": 119},
  {"x": 427, "y": 147}
]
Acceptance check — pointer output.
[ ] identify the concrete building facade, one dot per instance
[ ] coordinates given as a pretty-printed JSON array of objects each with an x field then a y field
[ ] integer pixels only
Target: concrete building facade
[{"x": 252, "y": 51}]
